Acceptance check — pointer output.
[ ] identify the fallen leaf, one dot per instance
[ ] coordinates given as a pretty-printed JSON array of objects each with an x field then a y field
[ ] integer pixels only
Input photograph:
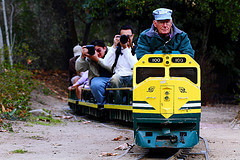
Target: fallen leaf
[
  {"x": 122, "y": 147},
  {"x": 107, "y": 154},
  {"x": 9, "y": 110},
  {"x": 3, "y": 130},
  {"x": 86, "y": 122},
  {"x": 29, "y": 61},
  {"x": 3, "y": 109},
  {"x": 44, "y": 120},
  {"x": 65, "y": 117},
  {"x": 118, "y": 138},
  {"x": 55, "y": 74}
]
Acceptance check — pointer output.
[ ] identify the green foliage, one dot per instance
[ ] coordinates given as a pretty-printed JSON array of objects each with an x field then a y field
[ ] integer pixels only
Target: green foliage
[
  {"x": 47, "y": 91},
  {"x": 39, "y": 29},
  {"x": 24, "y": 56},
  {"x": 226, "y": 14},
  {"x": 15, "y": 88},
  {"x": 135, "y": 8},
  {"x": 6, "y": 126}
]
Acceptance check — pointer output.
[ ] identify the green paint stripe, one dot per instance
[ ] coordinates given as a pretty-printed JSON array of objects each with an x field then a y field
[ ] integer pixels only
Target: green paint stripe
[
  {"x": 190, "y": 108},
  {"x": 139, "y": 102},
  {"x": 144, "y": 108},
  {"x": 193, "y": 102}
]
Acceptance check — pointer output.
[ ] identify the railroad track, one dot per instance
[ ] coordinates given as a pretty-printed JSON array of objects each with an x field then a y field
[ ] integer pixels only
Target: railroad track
[
  {"x": 170, "y": 154},
  {"x": 177, "y": 154}
]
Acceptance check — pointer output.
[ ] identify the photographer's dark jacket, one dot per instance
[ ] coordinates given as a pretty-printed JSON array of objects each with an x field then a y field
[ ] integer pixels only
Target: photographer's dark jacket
[{"x": 149, "y": 41}]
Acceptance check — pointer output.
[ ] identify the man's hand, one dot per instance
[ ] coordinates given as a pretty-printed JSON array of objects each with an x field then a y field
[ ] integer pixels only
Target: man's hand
[
  {"x": 84, "y": 52},
  {"x": 92, "y": 57},
  {"x": 116, "y": 40}
]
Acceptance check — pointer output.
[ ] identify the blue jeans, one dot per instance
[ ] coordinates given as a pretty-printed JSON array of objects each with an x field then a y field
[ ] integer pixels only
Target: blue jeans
[
  {"x": 120, "y": 81},
  {"x": 98, "y": 86}
]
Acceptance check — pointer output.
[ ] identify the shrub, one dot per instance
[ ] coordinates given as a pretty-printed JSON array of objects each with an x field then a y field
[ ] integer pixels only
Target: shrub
[{"x": 16, "y": 85}]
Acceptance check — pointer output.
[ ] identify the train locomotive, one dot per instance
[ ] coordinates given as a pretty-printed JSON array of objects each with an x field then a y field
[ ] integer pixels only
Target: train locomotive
[{"x": 164, "y": 104}]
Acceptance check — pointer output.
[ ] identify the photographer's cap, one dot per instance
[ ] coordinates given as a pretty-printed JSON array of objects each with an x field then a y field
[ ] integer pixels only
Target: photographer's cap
[
  {"x": 162, "y": 14},
  {"x": 77, "y": 50}
]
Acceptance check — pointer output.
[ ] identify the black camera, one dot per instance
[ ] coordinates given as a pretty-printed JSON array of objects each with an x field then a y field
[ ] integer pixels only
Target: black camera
[
  {"x": 91, "y": 49},
  {"x": 124, "y": 39}
]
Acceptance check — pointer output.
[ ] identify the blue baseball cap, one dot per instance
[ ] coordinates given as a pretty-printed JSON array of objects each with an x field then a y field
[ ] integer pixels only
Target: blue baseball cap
[{"x": 162, "y": 14}]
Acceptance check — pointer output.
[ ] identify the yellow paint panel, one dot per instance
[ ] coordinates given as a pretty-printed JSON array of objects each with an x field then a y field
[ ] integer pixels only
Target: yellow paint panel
[
  {"x": 155, "y": 90},
  {"x": 88, "y": 104},
  {"x": 121, "y": 107},
  {"x": 150, "y": 93},
  {"x": 72, "y": 101}
]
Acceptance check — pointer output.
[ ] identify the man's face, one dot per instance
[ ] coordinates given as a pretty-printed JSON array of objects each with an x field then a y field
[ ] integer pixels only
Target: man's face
[
  {"x": 100, "y": 51},
  {"x": 163, "y": 26},
  {"x": 128, "y": 33}
]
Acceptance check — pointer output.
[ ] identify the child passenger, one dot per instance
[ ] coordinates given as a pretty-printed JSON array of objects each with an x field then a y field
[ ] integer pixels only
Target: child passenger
[
  {"x": 81, "y": 83},
  {"x": 78, "y": 81}
]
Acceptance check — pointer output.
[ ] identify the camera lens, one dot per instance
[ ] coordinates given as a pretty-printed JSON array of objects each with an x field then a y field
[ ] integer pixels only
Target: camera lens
[{"x": 123, "y": 39}]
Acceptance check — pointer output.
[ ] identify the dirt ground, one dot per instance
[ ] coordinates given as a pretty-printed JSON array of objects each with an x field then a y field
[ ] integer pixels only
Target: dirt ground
[{"x": 83, "y": 138}]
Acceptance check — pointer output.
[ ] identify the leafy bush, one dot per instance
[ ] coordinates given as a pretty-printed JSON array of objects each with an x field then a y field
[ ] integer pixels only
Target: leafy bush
[
  {"x": 16, "y": 85},
  {"x": 23, "y": 55}
]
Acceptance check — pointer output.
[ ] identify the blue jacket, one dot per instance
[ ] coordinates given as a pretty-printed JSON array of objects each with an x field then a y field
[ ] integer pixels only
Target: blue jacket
[{"x": 149, "y": 41}]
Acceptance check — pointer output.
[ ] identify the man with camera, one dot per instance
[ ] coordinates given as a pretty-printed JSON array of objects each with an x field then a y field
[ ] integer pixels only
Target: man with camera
[
  {"x": 97, "y": 75},
  {"x": 163, "y": 35},
  {"x": 120, "y": 59}
]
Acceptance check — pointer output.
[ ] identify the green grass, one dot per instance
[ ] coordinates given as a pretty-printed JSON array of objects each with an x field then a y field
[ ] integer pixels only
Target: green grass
[
  {"x": 36, "y": 137},
  {"x": 19, "y": 151},
  {"x": 45, "y": 120}
]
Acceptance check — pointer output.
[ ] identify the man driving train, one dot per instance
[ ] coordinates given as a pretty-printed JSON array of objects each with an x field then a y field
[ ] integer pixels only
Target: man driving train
[{"x": 163, "y": 35}]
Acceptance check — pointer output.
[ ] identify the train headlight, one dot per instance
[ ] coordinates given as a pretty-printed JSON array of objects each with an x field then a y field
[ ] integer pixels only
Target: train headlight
[
  {"x": 166, "y": 98},
  {"x": 167, "y": 60}
]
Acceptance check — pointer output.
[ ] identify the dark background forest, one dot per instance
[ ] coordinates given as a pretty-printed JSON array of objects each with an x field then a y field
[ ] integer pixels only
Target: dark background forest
[{"x": 44, "y": 33}]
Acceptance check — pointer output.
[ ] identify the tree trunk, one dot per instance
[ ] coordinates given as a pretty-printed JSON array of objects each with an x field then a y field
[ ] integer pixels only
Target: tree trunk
[
  {"x": 206, "y": 37},
  {"x": 7, "y": 35},
  {"x": 66, "y": 20},
  {"x": 86, "y": 32},
  {"x": 1, "y": 49}
]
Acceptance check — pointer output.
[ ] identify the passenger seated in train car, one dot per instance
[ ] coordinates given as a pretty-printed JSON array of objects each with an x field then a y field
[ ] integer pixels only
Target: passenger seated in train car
[
  {"x": 98, "y": 76},
  {"x": 120, "y": 60},
  {"x": 163, "y": 35},
  {"x": 81, "y": 83},
  {"x": 73, "y": 76}
]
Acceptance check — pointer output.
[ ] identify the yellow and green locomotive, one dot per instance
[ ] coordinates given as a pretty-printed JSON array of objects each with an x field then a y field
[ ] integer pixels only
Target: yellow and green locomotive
[
  {"x": 166, "y": 101},
  {"x": 164, "y": 104}
]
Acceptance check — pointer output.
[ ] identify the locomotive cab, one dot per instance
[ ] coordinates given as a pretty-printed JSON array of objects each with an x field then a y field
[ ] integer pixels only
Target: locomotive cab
[{"x": 166, "y": 101}]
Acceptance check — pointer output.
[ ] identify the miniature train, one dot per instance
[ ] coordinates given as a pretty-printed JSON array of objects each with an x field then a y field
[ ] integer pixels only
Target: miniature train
[{"x": 164, "y": 104}]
